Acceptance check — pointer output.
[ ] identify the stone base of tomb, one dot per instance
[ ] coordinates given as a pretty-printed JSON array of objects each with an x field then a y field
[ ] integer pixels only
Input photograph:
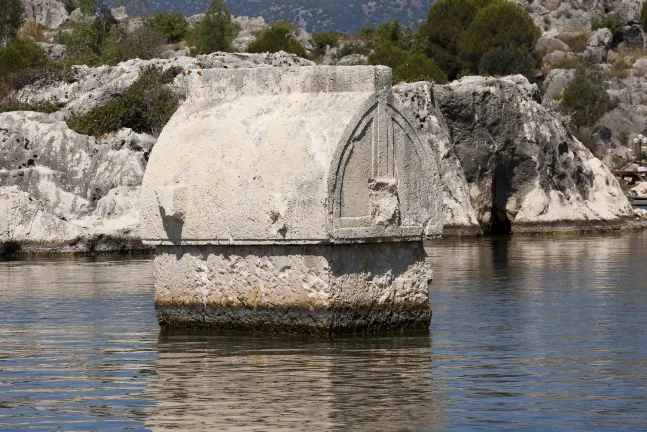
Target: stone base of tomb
[{"x": 295, "y": 288}]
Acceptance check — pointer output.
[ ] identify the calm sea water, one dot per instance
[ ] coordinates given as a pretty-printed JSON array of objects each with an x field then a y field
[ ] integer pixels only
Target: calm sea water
[{"x": 527, "y": 334}]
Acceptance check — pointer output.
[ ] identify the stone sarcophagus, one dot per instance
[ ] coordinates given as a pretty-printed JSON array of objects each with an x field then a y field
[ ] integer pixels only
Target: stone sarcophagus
[{"x": 291, "y": 199}]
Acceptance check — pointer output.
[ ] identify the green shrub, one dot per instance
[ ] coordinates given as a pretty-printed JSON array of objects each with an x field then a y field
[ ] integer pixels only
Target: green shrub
[
  {"x": 85, "y": 42},
  {"x": 324, "y": 40},
  {"x": 144, "y": 43},
  {"x": 11, "y": 18},
  {"x": 499, "y": 24},
  {"x": 585, "y": 98},
  {"x": 508, "y": 60},
  {"x": 88, "y": 7},
  {"x": 22, "y": 62},
  {"x": 577, "y": 43},
  {"x": 388, "y": 54},
  {"x": 9, "y": 104},
  {"x": 444, "y": 28},
  {"x": 643, "y": 16},
  {"x": 172, "y": 25},
  {"x": 612, "y": 21},
  {"x": 70, "y": 5},
  {"x": 407, "y": 66},
  {"x": 279, "y": 37},
  {"x": 418, "y": 67},
  {"x": 145, "y": 107},
  {"x": 216, "y": 31},
  {"x": 20, "y": 55},
  {"x": 570, "y": 62}
]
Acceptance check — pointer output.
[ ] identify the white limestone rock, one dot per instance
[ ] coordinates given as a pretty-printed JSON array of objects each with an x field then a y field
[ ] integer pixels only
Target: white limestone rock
[
  {"x": 24, "y": 221},
  {"x": 55, "y": 52},
  {"x": 598, "y": 45},
  {"x": 48, "y": 13},
  {"x": 419, "y": 101},
  {"x": 70, "y": 175},
  {"x": 525, "y": 171},
  {"x": 352, "y": 60},
  {"x": 556, "y": 81},
  {"x": 549, "y": 44},
  {"x": 95, "y": 86}
]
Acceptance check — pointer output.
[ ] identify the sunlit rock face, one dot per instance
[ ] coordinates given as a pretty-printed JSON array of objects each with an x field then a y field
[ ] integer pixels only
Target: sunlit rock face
[
  {"x": 525, "y": 171},
  {"x": 292, "y": 199}
]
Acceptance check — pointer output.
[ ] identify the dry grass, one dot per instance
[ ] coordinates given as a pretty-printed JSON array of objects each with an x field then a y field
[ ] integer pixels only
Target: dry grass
[
  {"x": 34, "y": 31},
  {"x": 576, "y": 42}
]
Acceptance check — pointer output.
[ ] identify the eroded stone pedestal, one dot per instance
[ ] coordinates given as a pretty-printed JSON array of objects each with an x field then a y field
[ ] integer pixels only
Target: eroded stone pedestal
[{"x": 306, "y": 288}]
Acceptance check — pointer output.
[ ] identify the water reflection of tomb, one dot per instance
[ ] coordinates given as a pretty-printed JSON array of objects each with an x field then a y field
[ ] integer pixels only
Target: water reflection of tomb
[{"x": 292, "y": 383}]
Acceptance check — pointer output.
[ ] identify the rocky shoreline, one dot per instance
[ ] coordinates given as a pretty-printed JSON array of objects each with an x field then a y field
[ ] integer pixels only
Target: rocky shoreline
[{"x": 63, "y": 192}]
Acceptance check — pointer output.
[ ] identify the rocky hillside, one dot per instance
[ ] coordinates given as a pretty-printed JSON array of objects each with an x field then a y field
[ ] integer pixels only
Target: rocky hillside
[
  {"x": 66, "y": 192},
  {"x": 314, "y": 15},
  {"x": 508, "y": 164}
]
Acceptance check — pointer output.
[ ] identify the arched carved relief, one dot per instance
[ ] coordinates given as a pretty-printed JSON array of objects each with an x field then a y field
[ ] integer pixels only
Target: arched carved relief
[{"x": 377, "y": 186}]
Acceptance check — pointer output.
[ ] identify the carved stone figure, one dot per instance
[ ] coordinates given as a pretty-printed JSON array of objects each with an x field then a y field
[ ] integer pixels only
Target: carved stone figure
[{"x": 291, "y": 199}]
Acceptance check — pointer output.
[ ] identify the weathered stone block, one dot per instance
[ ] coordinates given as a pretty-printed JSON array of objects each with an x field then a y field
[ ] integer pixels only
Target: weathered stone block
[{"x": 315, "y": 168}]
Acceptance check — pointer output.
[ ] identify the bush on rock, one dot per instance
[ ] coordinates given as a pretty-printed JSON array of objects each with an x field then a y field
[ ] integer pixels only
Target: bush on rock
[
  {"x": 11, "y": 18},
  {"x": 216, "y": 31},
  {"x": 172, "y": 25},
  {"x": 146, "y": 106},
  {"x": 508, "y": 60},
  {"x": 279, "y": 37},
  {"x": 585, "y": 98},
  {"x": 499, "y": 24}
]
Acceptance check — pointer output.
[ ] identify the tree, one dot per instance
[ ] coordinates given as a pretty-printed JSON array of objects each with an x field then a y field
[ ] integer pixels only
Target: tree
[
  {"x": 499, "y": 24},
  {"x": 643, "y": 16},
  {"x": 585, "y": 98},
  {"x": 279, "y": 37},
  {"x": 11, "y": 18},
  {"x": 172, "y": 25},
  {"x": 611, "y": 21},
  {"x": 508, "y": 60},
  {"x": 444, "y": 28},
  {"x": 418, "y": 67},
  {"x": 216, "y": 31},
  {"x": 407, "y": 66}
]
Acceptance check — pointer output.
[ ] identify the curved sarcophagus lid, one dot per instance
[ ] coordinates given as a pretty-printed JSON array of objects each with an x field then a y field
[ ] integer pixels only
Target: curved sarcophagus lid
[{"x": 290, "y": 155}]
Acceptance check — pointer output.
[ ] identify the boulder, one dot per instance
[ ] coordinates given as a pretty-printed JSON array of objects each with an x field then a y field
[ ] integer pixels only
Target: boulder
[
  {"x": 633, "y": 36},
  {"x": 640, "y": 65},
  {"x": 249, "y": 29},
  {"x": 598, "y": 45},
  {"x": 525, "y": 171},
  {"x": 556, "y": 81},
  {"x": 55, "y": 52},
  {"x": 67, "y": 175},
  {"x": 24, "y": 221},
  {"x": 420, "y": 103},
  {"x": 577, "y": 14},
  {"x": 352, "y": 60},
  {"x": 550, "y": 44},
  {"x": 48, "y": 13},
  {"x": 119, "y": 13}
]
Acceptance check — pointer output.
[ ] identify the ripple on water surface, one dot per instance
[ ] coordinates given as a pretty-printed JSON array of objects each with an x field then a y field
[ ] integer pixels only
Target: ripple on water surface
[{"x": 527, "y": 333}]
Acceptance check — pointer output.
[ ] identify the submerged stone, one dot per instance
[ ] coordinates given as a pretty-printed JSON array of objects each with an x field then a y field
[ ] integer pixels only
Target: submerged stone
[{"x": 292, "y": 199}]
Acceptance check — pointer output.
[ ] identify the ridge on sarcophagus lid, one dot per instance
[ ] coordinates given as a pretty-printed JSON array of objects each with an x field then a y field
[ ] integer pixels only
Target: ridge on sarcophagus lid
[{"x": 290, "y": 155}]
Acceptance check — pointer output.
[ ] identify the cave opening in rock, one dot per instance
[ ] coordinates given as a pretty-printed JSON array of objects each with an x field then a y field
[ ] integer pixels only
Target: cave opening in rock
[{"x": 500, "y": 223}]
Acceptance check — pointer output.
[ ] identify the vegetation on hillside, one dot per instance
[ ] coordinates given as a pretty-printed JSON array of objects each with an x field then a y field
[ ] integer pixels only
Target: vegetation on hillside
[
  {"x": 146, "y": 106},
  {"x": 11, "y": 18},
  {"x": 216, "y": 31},
  {"x": 279, "y": 37}
]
